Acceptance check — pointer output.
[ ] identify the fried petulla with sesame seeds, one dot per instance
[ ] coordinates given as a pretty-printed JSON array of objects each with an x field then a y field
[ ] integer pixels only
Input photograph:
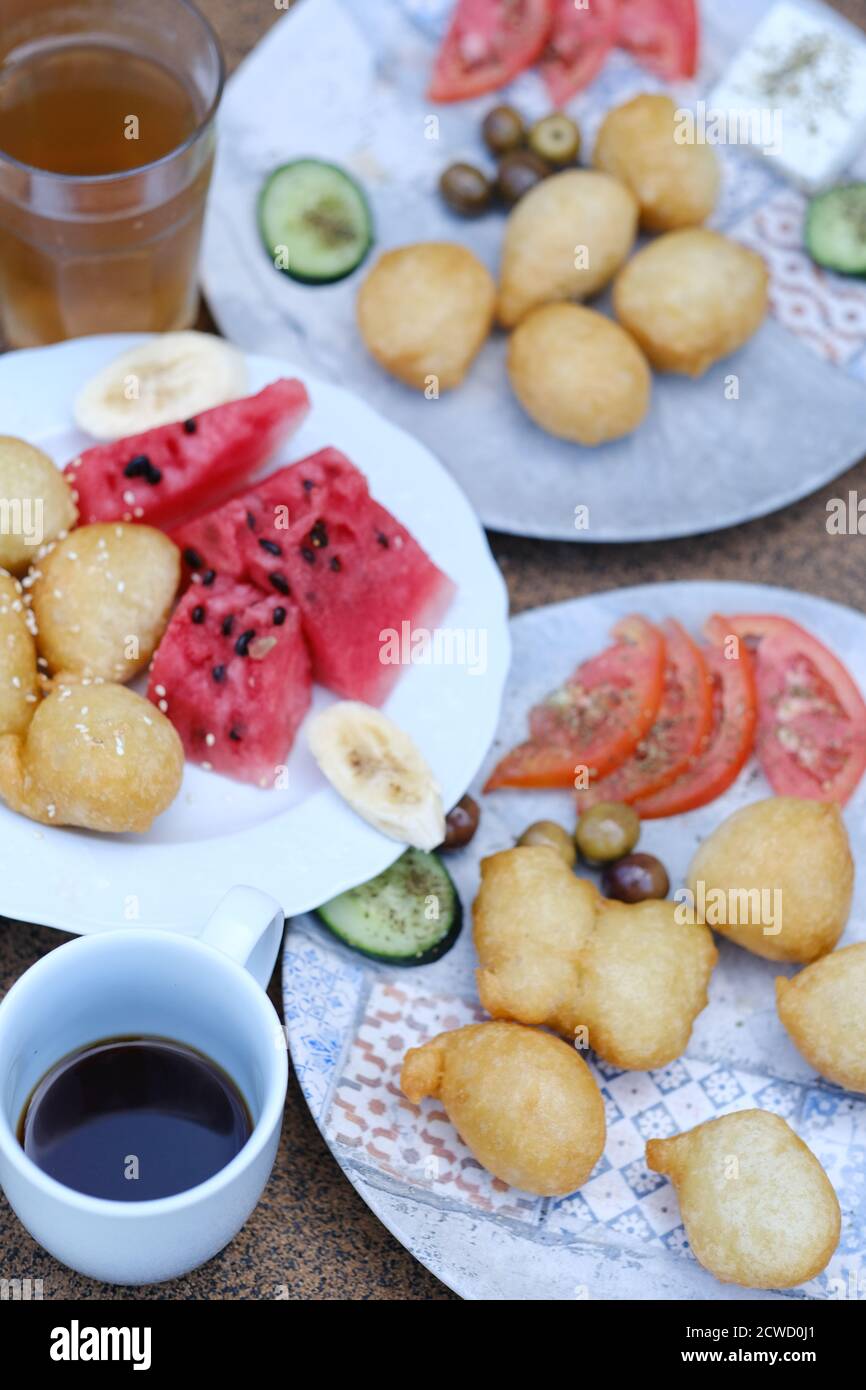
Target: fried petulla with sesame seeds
[
  {"x": 102, "y": 598},
  {"x": 96, "y": 755},
  {"x": 19, "y": 680},
  {"x": 37, "y": 503}
]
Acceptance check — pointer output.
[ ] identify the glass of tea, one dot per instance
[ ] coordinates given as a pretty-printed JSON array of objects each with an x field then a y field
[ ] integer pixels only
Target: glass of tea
[{"x": 106, "y": 149}]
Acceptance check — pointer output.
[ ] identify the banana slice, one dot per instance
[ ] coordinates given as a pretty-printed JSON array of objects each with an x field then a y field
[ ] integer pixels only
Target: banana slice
[
  {"x": 172, "y": 376},
  {"x": 377, "y": 769}
]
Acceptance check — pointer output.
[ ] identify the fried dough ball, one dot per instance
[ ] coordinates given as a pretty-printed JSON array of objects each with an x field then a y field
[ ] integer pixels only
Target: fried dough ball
[
  {"x": 532, "y": 918},
  {"x": 578, "y": 375},
  {"x": 758, "y": 1208},
  {"x": 95, "y": 755},
  {"x": 676, "y": 184},
  {"x": 642, "y": 981},
  {"x": 691, "y": 298},
  {"x": 102, "y": 598},
  {"x": 525, "y": 1103},
  {"x": 424, "y": 311},
  {"x": 565, "y": 239},
  {"x": 554, "y": 952},
  {"x": 776, "y": 877},
  {"x": 822, "y": 1009},
  {"x": 19, "y": 679},
  {"x": 39, "y": 500}
]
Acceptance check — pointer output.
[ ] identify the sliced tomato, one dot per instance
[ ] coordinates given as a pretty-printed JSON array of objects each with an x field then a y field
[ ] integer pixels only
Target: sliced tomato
[
  {"x": 580, "y": 40},
  {"x": 731, "y": 736},
  {"x": 596, "y": 719},
  {"x": 488, "y": 43},
  {"x": 680, "y": 730},
  {"x": 811, "y": 716},
  {"x": 662, "y": 35}
]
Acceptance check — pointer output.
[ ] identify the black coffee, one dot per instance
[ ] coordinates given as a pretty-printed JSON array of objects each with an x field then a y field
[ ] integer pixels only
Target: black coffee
[{"x": 134, "y": 1118}]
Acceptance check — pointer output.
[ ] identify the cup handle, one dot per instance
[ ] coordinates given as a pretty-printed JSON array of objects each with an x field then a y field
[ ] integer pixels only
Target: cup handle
[{"x": 247, "y": 925}]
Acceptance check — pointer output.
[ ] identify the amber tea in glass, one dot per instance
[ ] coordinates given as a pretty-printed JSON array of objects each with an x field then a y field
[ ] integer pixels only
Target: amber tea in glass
[{"x": 106, "y": 149}]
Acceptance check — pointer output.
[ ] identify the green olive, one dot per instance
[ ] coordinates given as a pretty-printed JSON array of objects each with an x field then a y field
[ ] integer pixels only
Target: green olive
[
  {"x": 466, "y": 189},
  {"x": 548, "y": 833},
  {"x": 635, "y": 878},
  {"x": 555, "y": 138},
  {"x": 503, "y": 130},
  {"x": 607, "y": 831},
  {"x": 518, "y": 173}
]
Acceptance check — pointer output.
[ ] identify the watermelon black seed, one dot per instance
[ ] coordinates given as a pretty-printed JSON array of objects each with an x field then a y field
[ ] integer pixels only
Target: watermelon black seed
[
  {"x": 243, "y": 642},
  {"x": 251, "y": 521},
  {"x": 319, "y": 535},
  {"x": 198, "y": 614},
  {"x": 270, "y": 546},
  {"x": 279, "y": 616},
  {"x": 279, "y": 581},
  {"x": 208, "y": 577},
  {"x": 219, "y": 673},
  {"x": 335, "y": 564},
  {"x": 152, "y": 475},
  {"x": 382, "y": 539},
  {"x": 192, "y": 558},
  {"x": 137, "y": 467},
  {"x": 234, "y": 735},
  {"x": 308, "y": 554},
  {"x": 228, "y": 624},
  {"x": 308, "y": 485},
  {"x": 190, "y": 426}
]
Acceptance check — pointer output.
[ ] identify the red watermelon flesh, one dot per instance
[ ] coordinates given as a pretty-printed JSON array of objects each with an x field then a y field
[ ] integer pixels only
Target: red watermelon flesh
[
  {"x": 243, "y": 529},
  {"x": 357, "y": 574},
  {"x": 232, "y": 673},
  {"x": 168, "y": 474}
]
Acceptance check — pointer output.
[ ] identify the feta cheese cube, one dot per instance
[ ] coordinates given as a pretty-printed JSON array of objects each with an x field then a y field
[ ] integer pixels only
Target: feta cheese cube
[{"x": 796, "y": 92}]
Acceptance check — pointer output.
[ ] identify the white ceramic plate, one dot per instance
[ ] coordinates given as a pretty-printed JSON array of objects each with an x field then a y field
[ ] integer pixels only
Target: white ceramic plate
[
  {"x": 350, "y": 1023},
  {"x": 344, "y": 80},
  {"x": 302, "y": 844}
]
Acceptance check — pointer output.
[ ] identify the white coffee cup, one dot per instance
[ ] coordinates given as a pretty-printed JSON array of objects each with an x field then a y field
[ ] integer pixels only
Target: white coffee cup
[{"x": 206, "y": 991}]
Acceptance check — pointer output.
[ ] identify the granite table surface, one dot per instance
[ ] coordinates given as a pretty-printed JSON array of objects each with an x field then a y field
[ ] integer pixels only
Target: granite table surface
[{"x": 312, "y": 1237}]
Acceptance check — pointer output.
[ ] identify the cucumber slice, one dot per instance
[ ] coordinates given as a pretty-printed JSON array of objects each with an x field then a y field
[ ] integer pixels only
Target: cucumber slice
[
  {"x": 314, "y": 221},
  {"x": 836, "y": 229},
  {"x": 408, "y": 915}
]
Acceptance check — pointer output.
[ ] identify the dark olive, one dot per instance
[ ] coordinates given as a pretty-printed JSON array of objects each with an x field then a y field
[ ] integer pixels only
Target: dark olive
[
  {"x": 552, "y": 836},
  {"x": 607, "y": 831},
  {"x": 518, "y": 173},
  {"x": 555, "y": 138},
  {"x": 503, "y": 130},
  {"x": 635, "y": 878},
  {"x": 461, "y": 824},
  {"x": 466, "y": 189}
]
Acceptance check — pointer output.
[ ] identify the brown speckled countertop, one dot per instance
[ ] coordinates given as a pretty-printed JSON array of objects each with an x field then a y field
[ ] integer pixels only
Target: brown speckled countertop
[{"x": 311, "y": 1236}]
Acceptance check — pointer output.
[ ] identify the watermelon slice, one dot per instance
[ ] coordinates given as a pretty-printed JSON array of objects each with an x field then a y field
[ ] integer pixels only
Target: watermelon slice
[
  {"x": 353, "y": 570},
  {"x": 243, "y": 531},
  {"x": 168, "y": 474},
  {"x": 232, "y": 673},
  {"x": 363, "y": 584}
]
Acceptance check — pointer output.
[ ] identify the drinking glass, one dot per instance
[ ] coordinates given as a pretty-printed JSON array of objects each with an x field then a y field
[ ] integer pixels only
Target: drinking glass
[{"x": 114, "y": 250}]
